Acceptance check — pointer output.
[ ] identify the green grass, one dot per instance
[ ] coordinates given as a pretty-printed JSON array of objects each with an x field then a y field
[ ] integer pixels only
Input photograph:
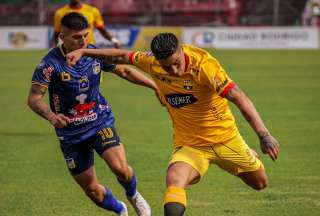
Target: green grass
[{"x": 284, "y": 85}]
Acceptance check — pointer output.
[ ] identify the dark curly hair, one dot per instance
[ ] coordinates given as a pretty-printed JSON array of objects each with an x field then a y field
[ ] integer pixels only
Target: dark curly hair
[
  {"x": 164, "y": 45},
  {"x": 74, "y": 21}
]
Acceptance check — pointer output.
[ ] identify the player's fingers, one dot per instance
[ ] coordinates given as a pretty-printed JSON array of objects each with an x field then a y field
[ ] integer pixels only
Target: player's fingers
[
  {"x": 273, "y": 153},
  {"x": 65, "y": 118},
  {"x": 69, "y": 60}
]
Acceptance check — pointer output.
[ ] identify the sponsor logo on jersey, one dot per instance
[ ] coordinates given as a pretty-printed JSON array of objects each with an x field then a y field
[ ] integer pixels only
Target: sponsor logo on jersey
[
  {"x": 187, "y": 84},
  {"x": 41, "y": 65},
  {"x": 96, "y": 68},
  {"x": 47, "y": 72},
  {"x": 180, "y": 100},
  {"x": 83, "y": 84},
  {"x": 83, "y": 112},
  {"x": 65, "y": 77}
]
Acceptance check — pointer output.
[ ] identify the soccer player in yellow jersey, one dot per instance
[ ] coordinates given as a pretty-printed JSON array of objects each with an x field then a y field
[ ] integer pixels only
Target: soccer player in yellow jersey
[
  {"x": 91, "y": 13},
  {"x": 197, "y": 90}
]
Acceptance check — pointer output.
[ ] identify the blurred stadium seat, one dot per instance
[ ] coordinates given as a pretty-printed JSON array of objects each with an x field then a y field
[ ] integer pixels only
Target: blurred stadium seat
[{"x": 163, "y": 12}]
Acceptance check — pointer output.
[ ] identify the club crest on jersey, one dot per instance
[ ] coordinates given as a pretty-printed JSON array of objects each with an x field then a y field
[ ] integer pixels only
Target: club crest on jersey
[
  {"x": 187, "y": 84},
  {"x": 70, "y": 163},
  {"x": 96, "y": 68},
  {"x": 83, "y": 84}
]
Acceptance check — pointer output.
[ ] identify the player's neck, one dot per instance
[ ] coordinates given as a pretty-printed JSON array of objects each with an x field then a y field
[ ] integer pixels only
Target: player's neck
[
  {"x": 75, "y": 5},
  {"x": 65, "y": 49}
]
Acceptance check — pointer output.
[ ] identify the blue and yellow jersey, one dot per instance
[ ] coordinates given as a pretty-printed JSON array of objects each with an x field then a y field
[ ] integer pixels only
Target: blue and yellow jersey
[
  {"x": 195, "y": 101},
  {"x": 91, "y": 13},
  {"x": 74, "y": 92}
]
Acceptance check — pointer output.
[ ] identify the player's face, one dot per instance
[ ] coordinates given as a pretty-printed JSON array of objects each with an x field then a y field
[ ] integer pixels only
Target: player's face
[
  {"x": 74, "y": 40},
  {"x": 174, "y": 64}
]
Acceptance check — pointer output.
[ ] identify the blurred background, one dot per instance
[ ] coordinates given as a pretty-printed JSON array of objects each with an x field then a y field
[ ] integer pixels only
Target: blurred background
[
  {"x": 173, "y": 12},
  {"x": 125, "y": 17}
]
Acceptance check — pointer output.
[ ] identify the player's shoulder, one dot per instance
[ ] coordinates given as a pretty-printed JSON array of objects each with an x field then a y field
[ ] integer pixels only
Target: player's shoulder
[
  {"x": 88, "y": 7},
  {"x": 62, "y": 10},
  {"x": 197, "y": 52},
  {"x": 143, "y": 56},
  {"x": 52, "y": 58},
  {"x": 198, "y": 57}
]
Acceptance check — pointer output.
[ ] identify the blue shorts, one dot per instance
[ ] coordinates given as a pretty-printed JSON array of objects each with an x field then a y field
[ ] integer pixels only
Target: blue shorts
[{"x": 80, "y": 156}]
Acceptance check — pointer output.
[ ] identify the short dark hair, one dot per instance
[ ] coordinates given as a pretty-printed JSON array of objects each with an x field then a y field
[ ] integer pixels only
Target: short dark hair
[
  {"x": 164, "y": 45},
  {"x": 74, "y": 21}
]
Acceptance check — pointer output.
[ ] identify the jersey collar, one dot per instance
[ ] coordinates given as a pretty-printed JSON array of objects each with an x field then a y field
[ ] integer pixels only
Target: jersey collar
[{"x": 62, "y": 51}]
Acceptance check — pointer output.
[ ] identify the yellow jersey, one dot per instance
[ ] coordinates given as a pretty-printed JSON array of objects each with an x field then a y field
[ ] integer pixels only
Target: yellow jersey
[
  {"x": 195, "y": 100},
  {"x": 91, "y": 13}
]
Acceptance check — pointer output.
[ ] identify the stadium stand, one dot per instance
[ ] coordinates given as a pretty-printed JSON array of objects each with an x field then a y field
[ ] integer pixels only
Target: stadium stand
[{"x": 165, "y": 12}]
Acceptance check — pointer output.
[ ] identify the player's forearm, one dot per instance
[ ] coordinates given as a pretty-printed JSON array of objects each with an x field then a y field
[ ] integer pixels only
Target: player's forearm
[
  {"x": 252, "y": 116},
  {"x": 41, "y": 108},
  {"x": 136, "y": 77},
  {"x": 105, "y": 33},
  {"x": 116, "y": 56},
  {"x": 248, "y": 110}
]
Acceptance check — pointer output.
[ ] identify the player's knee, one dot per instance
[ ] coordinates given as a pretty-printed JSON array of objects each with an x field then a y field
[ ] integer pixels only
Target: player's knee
[
  {"x": 94, "y": 192},
  {"x": 122, "y": 171},
  {"x": 260, "y": 184},
  {"x": 173, "y": 179}
]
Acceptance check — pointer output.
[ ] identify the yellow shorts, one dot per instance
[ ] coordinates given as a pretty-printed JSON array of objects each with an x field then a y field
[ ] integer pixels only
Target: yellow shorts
[{"x": 234, "y": 156}]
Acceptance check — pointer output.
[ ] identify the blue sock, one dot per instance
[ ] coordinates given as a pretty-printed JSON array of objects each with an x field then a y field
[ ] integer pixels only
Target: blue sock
[
  {"x": 129, "y": 186},
  {"x": 111, "y": 203}
]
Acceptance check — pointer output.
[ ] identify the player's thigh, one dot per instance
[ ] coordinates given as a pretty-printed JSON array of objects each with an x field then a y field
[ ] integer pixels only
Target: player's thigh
[
  {"x": 181, "y": 174},
  {"x": 236, "y": 157},
  {"x": 78, "y": 157},
  {"x": 255, "y": 179},
  {"x": 186, "y": 166},
  {"x": 107, "y": 145}
]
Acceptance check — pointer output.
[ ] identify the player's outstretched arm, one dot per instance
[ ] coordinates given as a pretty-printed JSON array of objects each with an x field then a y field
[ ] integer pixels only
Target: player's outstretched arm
[
  {"x": 138, "y": 78},
  {"x": 268, "y": 143},
  {"x": 115, "y": 42},
  {"x": 115, "y": 56},
  {"x": 36, "y": 103}
]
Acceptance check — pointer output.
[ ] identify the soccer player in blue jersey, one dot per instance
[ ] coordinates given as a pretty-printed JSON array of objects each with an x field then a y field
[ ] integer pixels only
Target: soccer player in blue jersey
[{"x": 82, "y": 118}]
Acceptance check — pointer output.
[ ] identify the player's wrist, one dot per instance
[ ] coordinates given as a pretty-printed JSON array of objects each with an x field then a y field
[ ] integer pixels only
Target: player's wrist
[
  {"x": 263, "y": 134},
  {"x": 52, "y": 118}
]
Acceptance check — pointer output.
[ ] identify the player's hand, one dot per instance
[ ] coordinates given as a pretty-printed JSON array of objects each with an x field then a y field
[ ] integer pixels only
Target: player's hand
[
  {"x": 160, "y": 96},
  {"x": 115, "y": 42},
  {"x": 269, "y": 145},
  {"x": 59, "y": 120},
  {"x": 74, "y": 56}
]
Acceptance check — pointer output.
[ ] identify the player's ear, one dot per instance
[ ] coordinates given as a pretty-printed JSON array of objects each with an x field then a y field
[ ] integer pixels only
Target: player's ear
[{"x": 61, "y": 35}]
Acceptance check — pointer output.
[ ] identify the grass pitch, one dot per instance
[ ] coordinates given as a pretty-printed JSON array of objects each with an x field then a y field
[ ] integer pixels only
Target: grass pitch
[{"x": 284, "y": 85}]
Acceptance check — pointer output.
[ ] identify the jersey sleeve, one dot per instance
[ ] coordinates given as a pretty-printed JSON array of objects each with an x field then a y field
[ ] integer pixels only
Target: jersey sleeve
[
  {"x": 107, "y": 67},
  {"x": 214, "y": 76},
  {"x": 42, "y": 74},
  {"x": 142, "y": 60},
  {"x": 98, "y": 20}
]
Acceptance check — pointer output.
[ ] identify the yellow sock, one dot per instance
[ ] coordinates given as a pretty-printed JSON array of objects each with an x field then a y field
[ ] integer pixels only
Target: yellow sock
[{"x": 175, "y": 194}]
